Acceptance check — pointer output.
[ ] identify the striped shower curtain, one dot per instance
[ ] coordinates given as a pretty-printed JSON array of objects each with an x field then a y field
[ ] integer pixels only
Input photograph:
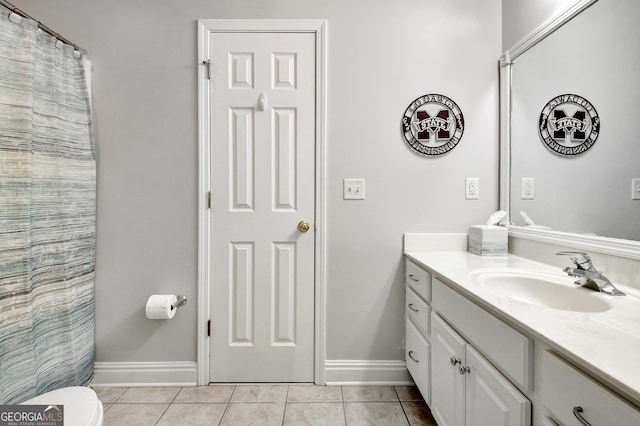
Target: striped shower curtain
[{"x": 47, "y": 214}]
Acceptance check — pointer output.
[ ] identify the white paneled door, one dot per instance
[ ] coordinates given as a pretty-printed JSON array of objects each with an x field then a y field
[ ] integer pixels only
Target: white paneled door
[{"x": 263, "y": 194}]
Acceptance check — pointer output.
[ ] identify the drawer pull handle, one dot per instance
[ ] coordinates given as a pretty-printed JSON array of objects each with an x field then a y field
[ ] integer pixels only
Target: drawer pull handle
[
  {"x": 463, "y": 370},
  {"x": 412, "y": 308},
  {"x": 411, "y": 356},
  {"x": 577, "y": 411},
  {"x": 454, "y": 361},
  {"x": 413, "y": 278}
]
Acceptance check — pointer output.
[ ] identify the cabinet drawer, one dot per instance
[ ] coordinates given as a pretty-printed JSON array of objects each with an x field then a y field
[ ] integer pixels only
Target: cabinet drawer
[
  {"x": 417, "y": 355},
  {"x": 563, "y": 388},
  {"x": 504, "y": 346},
  {"x": 418, "y": 279},
  {"x": 418, "y": 311}
]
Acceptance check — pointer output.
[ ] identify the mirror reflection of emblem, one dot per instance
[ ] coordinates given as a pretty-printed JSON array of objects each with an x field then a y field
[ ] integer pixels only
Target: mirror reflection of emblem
[
  {"x": 432, "y": 125},
  {"x": 569, "y": 125},
  {"x": 574, "y": 127}
]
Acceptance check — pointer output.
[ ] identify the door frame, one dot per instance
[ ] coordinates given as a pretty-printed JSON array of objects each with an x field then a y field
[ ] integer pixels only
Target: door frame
[{"x": 205, "y": 28}]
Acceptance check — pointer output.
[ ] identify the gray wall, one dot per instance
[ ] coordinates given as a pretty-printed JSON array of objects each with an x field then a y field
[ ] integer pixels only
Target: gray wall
[
  {"x": 521, "y": 17},
  {"x": 381, "y": 54}
]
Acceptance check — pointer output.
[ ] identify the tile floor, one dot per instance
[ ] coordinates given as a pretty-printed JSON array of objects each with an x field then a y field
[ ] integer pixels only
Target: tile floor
[{"x": 265, "y": 405}]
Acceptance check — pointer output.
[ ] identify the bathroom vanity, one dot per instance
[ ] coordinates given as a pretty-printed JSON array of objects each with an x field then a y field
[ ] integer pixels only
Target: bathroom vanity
[{"x": 511, "y": 341}]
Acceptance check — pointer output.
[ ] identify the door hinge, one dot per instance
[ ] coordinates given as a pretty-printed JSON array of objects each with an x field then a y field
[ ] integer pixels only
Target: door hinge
[
  {"x": 208, "y": 64},
  {"x": 209, "y": 328},
  {"x": 209, "y": 199}
]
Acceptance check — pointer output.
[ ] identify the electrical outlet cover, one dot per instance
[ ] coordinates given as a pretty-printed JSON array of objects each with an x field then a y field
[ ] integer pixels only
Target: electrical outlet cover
[
  {"x": 528, "y": 189},
  {"x": 635, "y": 189},
  {"x": 472, "y": 189}
]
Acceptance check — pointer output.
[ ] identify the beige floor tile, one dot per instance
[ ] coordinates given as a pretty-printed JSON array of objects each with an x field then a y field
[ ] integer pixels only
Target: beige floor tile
[
  {"x": 249, "y": 414},
  {"x": 192, "y": 414},
  {"x": 303, "y": 393},
  {"x": 264, "y": 405},
  {"x": 133, "y": 414},
  {"x": 148, "y": 395},
  {"x": 314, "y": 414},
  {"x": 374, "y": 413},
  {"x": 260, "y": 393},
  {"x": 418, "y": 413},
  {"x": 217, "y": 393},
  {"x": 369, "y": 393},
  {"x": 109, "y": 395},
  {"x": 409, "y": 393}
]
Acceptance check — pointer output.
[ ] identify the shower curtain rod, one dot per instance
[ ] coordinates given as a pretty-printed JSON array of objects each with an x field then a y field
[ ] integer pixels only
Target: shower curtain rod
[{"x": 43, "y": 27}]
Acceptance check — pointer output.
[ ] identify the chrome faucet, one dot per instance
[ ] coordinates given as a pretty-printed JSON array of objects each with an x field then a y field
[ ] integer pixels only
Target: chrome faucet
[{"x": 587, "y": 274}]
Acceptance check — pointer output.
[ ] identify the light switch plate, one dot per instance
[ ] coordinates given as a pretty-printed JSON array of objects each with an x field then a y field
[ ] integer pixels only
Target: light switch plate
[{"x": 353, "y": 189}]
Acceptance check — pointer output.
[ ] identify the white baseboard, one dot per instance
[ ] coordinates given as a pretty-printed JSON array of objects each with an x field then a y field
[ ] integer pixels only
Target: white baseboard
[
  {"x": 356, "y": 372},
  {"x": 138, "y": 374},
  {"x": 337, "y": 372}
]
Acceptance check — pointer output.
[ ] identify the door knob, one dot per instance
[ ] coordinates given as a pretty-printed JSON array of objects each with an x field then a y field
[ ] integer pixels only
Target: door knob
[{"x": 303, "y": 226}]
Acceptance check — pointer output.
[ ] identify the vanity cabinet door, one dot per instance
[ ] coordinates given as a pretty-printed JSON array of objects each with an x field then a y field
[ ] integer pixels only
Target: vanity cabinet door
[
  {"x": 417, "y": 353},
  {"x": 447, "y": 384},
  {"x": 504, "y": 346},
  {"x": 490, "y": 398},
  {"x": 466, "y": 389}
]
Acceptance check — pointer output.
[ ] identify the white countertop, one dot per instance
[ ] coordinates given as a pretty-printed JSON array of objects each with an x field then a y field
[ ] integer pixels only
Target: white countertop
[{"x": 606, "y": 344}]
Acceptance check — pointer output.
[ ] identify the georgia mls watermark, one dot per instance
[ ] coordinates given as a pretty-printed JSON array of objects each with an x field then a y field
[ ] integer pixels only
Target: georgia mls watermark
[
  {"x": 432, "y": 124},
  {"x": 569, "y": 125},
  {"x": 31, "y": 415}
]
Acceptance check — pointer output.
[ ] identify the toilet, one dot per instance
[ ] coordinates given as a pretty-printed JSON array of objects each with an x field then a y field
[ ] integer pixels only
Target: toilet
[{"x": 81, "y": 405}]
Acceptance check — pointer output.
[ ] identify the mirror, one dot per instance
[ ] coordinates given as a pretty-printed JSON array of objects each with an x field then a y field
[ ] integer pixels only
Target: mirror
[{"x": 589, "y": 50}]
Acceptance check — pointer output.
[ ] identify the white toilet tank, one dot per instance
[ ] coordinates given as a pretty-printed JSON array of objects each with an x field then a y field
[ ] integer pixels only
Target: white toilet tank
[{"x": 81, "y": 405}]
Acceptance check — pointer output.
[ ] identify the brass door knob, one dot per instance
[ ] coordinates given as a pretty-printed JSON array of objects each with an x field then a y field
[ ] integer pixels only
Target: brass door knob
[{"x": 303, "y": 226}]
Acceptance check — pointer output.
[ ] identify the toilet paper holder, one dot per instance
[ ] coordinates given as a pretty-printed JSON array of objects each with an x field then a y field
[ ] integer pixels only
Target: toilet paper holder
[{"x": 181, "y": 300}]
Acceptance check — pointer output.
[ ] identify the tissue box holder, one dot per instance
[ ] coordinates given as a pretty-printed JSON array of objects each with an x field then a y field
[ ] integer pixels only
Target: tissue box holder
[{"x": 488, "y": 240}]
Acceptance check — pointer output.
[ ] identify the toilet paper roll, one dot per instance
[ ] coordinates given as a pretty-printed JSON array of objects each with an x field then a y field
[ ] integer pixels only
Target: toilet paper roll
[{"x": 161, "y": 306}]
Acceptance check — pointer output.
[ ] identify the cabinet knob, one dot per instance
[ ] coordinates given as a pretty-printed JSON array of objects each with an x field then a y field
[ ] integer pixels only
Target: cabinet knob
[
  {"x": 413, "y": 278},
  {"x": 411, "y": 356},
  {"x": 463, "y": 370},
  {"x": 455, "y": 361},
  {"x": 410, "y": 305},
  {"x": 577, "y": 411}
]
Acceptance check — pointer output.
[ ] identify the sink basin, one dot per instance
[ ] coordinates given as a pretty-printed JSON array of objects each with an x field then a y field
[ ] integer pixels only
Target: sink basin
[{"x": 542, "y": 289}]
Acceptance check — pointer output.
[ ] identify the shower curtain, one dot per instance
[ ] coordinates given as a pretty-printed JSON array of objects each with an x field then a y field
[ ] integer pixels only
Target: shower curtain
[{"x": 47, "y": 214}]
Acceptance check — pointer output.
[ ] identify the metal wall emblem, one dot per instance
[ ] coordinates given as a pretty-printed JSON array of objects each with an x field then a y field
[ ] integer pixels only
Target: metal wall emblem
[
  {"x": 432, "y": 124},
  {"x": 569, "y": 125}
]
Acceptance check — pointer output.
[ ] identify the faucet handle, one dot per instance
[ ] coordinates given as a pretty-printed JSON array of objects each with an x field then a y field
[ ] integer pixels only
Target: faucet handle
[{"x": 579, "y": 258}]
